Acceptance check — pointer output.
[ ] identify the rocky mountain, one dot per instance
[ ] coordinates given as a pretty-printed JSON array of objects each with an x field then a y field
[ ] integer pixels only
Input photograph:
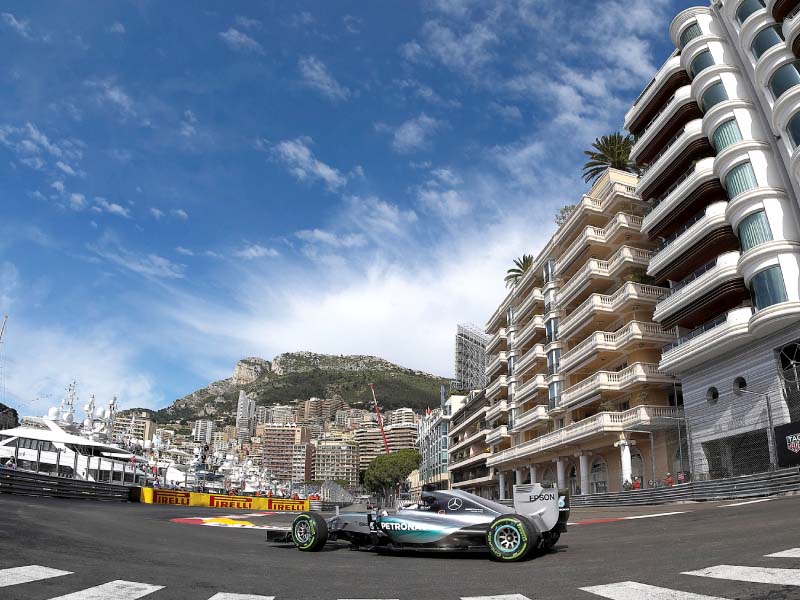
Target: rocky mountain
[
  {"x": 8, "y": 417},
  {"x": 302, "y": 375}
]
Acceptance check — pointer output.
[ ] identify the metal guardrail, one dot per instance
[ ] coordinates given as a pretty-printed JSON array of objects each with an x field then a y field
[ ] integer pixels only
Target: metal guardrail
[{"x": 26, "y": 483}]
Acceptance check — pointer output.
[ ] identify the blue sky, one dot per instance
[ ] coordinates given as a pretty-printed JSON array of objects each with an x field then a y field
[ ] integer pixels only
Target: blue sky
[{"x": 187, "y": 183}]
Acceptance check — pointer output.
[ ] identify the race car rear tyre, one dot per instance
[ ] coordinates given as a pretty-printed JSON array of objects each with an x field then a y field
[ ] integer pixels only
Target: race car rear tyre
[
  {"x": 551, "y": 540},
  {"x": 511, "y": 538},
  {"x": 309, "y": 532}
]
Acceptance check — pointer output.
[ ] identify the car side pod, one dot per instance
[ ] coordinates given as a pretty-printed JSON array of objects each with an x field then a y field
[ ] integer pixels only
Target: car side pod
[
  {"x": 309, "y": 532},
  {"x": 511, "y": 538}
]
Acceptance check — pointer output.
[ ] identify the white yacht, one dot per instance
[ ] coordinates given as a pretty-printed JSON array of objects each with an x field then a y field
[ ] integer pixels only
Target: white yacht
[{"x": 55, "y": 445}]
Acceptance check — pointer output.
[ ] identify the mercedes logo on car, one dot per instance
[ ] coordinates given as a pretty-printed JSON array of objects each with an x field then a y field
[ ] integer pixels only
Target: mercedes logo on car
[{"x": 454, "y": 504}]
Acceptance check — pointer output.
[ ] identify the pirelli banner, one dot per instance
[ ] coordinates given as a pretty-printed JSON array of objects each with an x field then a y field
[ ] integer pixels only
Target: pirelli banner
[{"x": 178, "y": 498}]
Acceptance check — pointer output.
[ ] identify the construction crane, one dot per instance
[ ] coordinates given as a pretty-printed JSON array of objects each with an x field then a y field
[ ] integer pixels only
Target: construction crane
[
  {"x": 380, "y": 419},
  {"x": 3, "y": 327}
]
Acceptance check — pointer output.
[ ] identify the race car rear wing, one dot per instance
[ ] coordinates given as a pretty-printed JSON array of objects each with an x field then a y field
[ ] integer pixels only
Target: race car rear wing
[{"x": 548, "y": 508}]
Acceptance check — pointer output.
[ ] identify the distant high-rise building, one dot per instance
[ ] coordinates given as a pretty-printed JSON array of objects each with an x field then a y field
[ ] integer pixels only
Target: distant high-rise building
[
  {"x": 336, "y": 459},
  {"x": 202, "y": 430},
  {"x": 245, "y": 417},
  {"x": 277, "y": 441},
  {"x": 370, "y": 441},
  {"x": 470, "y": 358},
  {"x": 303, "y": 462},
  {"x": 402, "y": 416},
  {"x": 135, "y": 426}
]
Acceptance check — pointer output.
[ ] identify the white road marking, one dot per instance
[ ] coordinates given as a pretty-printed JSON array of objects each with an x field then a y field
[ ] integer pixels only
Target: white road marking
[
  {"x": 631, "y": 590},
  {"x": 747, "y": 502},
  {"x": 793, "y": 553},
  {"x": 226, "y": 596},
  {"x": 501, "y": 597},
  {"x": 751, "y": 574},
  {"x": 679, "y": 512},
  {"x": 113, "y": 590},
  {"x": 17, "y": 575}
]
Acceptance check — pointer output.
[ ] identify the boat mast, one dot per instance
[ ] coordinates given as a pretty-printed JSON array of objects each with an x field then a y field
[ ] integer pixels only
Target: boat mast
[{"x": 3, "y": 327}]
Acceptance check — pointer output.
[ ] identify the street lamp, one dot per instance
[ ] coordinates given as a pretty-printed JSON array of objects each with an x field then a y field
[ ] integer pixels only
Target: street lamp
[{"x": 739, "y": 388}]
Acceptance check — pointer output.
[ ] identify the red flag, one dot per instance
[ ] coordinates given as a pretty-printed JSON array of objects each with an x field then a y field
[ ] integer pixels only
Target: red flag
[{"x": 429, "y": 411}]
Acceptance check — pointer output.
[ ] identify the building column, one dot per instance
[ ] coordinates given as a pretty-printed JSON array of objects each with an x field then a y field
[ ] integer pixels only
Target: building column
[
  {"x": 502, "y": 477},
  {"x": 584, "y": 469},
  {"x": 625, "y": 457},
  {"x": 561, "y": 476},
  {"x": 518, "y": 475},
  {"x": 534, "y": 475}
]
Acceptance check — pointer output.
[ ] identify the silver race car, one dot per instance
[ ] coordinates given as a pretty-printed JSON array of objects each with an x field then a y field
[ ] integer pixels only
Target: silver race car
[{"x": 445, "y": 520}]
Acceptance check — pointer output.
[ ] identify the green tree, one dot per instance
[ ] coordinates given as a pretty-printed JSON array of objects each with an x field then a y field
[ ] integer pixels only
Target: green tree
[
  {"x": 386, "y": 471},
  {"x": 563, "y": 214},
  {"x": 521, "y": 265},
  {"x": 608, "y": 151}
]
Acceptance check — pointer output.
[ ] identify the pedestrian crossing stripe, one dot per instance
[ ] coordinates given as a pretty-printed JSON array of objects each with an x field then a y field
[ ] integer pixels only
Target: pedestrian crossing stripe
[
  {"x": 113, "y": 590},
  {"x": 792, "y": 553},
  {"x": 18, "y": 575},
  {"x": 226, "y": 596},
  {"x": 632, "y": 590},
  {"x": 770, "y": 575}
]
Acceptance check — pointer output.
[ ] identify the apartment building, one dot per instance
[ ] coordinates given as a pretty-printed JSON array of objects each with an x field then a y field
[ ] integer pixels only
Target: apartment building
[
  {"x": 336, "y": 458},
  {"x": 202, "y": 430},
  {"x": 134, "y": 426},
  {"x": 276, "y": 448},
  {"x": 303, "y": 462},
  {"x": 399, "y": 436},
  {"x": 432, "y": 443},
  {"x": 468, "y": 448},
  {"x": 470, "y": 358},
  {"x": 245, "y": 417},
  {"x": 401, "y": 416},
  {"x": 718, "y": 131},
  {"x": 574, "y": 394}
]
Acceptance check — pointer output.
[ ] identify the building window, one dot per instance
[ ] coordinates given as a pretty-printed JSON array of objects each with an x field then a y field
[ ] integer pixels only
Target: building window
[
  {"x": 793, "y": 129},
  {"x": 754, "y": 230},
  {"x": 549, "y": 270},
  {"x": 766, "y": 39},
  {"x": 691, "y": 32},
  {"x": 713, "y": 95},
  {"x": 747, "y": 8},
  {"x": 726, "y": 134},
  {"x": 767, "y": 288},
  {"x": 785, "y": 78},
  {"x": 554, "y": 393},
  {"x": 712, "y": 395},
  {"x": 700, "y": 62},
  {"x": 553, "y": 360},
  {"x": 740, "y": 179},
  {"x": 551, "y": 330}
]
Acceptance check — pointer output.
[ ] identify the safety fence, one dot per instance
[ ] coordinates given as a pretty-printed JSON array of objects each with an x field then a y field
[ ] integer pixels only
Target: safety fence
[
  {"x": 746, "y": 486},
  {"x": 180, "y": 498},
  {"x": 15, "y": 481}
]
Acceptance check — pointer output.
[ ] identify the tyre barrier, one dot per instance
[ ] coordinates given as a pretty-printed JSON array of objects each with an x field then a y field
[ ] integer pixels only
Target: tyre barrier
[
  {"x": 26, "y": 483},
  {"x": 745, "y": 486}
]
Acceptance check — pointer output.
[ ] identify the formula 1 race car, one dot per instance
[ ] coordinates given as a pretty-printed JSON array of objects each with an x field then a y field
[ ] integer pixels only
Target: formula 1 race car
[{"x": 445, "y": 520}]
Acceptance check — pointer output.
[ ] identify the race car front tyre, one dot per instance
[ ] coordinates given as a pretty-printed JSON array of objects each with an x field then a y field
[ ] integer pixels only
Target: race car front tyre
[
  {"x": 511, "y": 538},
  {"x": 309, "y": 532}
]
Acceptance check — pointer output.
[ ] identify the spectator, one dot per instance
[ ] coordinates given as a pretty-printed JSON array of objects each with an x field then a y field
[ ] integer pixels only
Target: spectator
[{"x": 668, "y": 480}]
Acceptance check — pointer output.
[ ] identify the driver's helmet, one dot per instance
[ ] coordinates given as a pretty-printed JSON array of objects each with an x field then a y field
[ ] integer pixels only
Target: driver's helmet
[{"x": 427, "y": 500}]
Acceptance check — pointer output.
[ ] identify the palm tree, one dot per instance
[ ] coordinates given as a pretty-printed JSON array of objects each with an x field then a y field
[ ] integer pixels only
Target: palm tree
[
  {"x": 608, "y": 151},
  {"x": 521, "y": 265}
]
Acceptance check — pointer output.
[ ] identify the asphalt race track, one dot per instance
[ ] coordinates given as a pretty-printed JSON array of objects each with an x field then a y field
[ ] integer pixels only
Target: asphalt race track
[{"x": 91, "y": 550}]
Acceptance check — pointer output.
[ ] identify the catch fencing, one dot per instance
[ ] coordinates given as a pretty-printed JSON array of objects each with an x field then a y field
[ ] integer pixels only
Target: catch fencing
[{"x": 14, "y": 481}]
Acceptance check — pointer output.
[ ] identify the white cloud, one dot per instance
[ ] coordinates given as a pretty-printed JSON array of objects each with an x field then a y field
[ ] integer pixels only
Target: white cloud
[
  {"x": 378, "y": 220},
  {"x": 111, "y": 94},
  {"x": 112, "y": 208},
  {"x": 524, "y": 161},
  {"x": 467, "y": 52},
  {"x": 297, "y": 156},
  {"x": 446, "y": 176},
  {"x": 150, "y": 266},
  {"x": 157, "y": 213},
  {"x": 77, "y": 201},
  {"x": 352, "y": 240},
  {"x": 236, "y": 40},
  {"x": 447, "y": 204},
  {"x": 507, "y": 111},
  {"x": 179, "y": 213},
  {"x": 316, "y": 76},
  {"x": 427, "y": 93},
  {"x": 253, "y": 251},
  {"x": 58, "y": 186},
  {"x": 188, "y": 123},
  {"x": 247, "y": 22},
  {"x": 20, "y": 26},
  {"x": 117, "y": 27},
  {"x": 184, "y": 251},
  {"x": 352, "y": 24},
  {"x": 66, "y": 168},
  {"x": 413, "y": 134}
]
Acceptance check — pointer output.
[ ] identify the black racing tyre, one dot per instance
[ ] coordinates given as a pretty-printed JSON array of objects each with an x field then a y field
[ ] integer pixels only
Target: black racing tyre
[
  {"x": 551, "y": 540},
  {"x": 309, "y": 532},
  {"x": 511, "y": 538}
]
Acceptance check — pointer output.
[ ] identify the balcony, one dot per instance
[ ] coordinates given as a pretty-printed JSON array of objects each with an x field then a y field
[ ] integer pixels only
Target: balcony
[
  {"x": 705, "y": 235},
  {"x": 667, "y": 80},
  {"x": 480, "y": 480},
  {"x": 678, "y": 110},
  {"x": 470, "y": 460},
  {"x": 638, "y": 417},
  {"x": 496, "y": 362},
  {"x": 497, "y": 434},
  {"x": 592, "y": 237},
  {"x": 469, "y": 440},
  {"x": 624, "y": 259},
  {"x": 496, "y": 410},
  {"x": 497, "y": 386},
  {"x": 608, "y": 304},
  {"x": 782, "y": 9},
  {"x": 613, "y": 381},
  {"x": 697, "y": 189},
  {"x": 531, "y": 418},
  {"x": 720, "y": 335},
  {"x": 529, "y": 359},
  {"x": 534, "y": 297},
  {"x": 456, "y": 428},
  {"x": 496, "y": 339},
  {"x": 674, "y": 157},
  {"x": 638, "y": 332},
  {"x": 533, "y": 330},
  {"x": 702, "y": 288},
  {"x": 525, "y": 391},
  {"x": 791, "y": 31}
]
